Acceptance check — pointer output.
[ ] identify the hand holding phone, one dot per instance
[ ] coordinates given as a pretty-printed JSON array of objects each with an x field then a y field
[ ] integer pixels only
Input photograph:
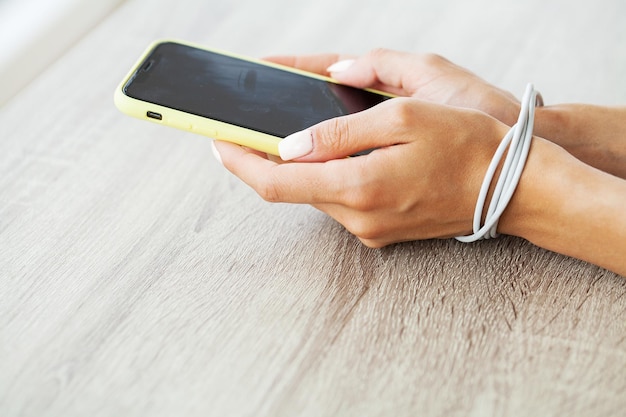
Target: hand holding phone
[{"x": 229, "y": 97}]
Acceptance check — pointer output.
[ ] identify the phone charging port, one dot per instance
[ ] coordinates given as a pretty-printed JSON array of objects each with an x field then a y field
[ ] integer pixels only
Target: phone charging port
[{"x": 154, "y": 115}]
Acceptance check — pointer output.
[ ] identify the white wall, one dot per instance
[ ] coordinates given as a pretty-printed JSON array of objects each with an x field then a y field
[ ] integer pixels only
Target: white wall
[{"x": 34, "y": 33}]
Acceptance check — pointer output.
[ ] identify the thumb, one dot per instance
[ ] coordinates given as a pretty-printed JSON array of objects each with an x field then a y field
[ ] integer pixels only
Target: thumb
[
  {"x": 383, "y": 69},
  {"x": 343, "y": 136}
]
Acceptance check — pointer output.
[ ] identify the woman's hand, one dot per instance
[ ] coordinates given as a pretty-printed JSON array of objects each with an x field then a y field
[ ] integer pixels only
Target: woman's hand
[
  {"x": 422, "y": 181},
  {"x": 593, "y": 134},
  {"x": 427, "y": 77},
  {"x": 423, "y": 177}
]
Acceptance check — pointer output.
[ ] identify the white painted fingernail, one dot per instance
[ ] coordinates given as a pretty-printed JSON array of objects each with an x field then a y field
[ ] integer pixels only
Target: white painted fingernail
[
  {"x": 295, "y": 145},
  {"x": 340, "y": 66},
  {"x": 216, "y": 153}
]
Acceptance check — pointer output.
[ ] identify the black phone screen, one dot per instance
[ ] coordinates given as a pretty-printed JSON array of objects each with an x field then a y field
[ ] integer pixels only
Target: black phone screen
[{"x": 239, "y": 92}]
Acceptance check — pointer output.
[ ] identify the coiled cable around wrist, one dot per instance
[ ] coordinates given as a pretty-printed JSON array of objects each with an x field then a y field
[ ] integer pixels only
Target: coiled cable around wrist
[{"x": 518, "y": 140}]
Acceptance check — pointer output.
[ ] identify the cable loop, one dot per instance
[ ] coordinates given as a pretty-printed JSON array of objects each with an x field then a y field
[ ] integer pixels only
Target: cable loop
[{"x": 518, "y": 141}]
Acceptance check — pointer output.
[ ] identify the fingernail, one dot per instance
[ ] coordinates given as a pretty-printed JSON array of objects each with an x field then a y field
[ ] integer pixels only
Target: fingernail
[
  {"x": 296, "y": 145},
  {"x": 340, "y": 66},
  {"x": 216, "y": 153}
]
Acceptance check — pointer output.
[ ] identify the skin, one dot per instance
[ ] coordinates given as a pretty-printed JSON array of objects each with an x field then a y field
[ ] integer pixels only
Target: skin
[{"x": 433, "y": 146}]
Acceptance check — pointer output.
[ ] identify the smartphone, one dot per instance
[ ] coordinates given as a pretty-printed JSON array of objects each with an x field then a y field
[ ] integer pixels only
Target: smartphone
[{"x": 230, "y": 97}]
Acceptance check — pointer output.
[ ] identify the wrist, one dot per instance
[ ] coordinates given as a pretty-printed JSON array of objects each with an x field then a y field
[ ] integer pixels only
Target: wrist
[
  {"x": 592, "y": 134},
  {"x": 566, "y": 206},
  {"x": 528, "y": 214},
  {"x": 500, "y": 105},
  {"x": 508, "y": 162},
  {"x": 556, "y": 123}
]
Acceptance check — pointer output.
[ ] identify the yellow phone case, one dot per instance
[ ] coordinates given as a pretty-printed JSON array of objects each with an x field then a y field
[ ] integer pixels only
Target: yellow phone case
[{"x": 198, "y": 124}]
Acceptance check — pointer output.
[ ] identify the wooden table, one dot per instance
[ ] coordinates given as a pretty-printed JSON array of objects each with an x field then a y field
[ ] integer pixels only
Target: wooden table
[{"x": 139, "y": 278}]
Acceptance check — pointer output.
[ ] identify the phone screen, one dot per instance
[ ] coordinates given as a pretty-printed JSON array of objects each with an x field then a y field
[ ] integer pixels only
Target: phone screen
[{"x": 239, "y": 92}]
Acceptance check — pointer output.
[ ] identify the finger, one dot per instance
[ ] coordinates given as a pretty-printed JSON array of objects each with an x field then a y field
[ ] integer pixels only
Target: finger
[
  {"x": 312, "y": 63},
  {"x": 377, "y": 127},
  {"x": 254, "y": 151},
  {"x": 393, "y": 71},
  {"x": 311, "y": 183},
  {"x": 274, "y": 158},
  {"x": 380, "y": 227},
  {"x": 369, "y": 228}
]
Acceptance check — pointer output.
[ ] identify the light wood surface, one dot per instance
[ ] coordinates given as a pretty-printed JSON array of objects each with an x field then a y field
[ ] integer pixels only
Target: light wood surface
[{"x": 139, "y": 278}]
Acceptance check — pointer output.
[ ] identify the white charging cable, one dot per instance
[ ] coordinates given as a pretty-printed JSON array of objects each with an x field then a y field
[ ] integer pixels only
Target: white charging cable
[{"x": 518, "y": 141}]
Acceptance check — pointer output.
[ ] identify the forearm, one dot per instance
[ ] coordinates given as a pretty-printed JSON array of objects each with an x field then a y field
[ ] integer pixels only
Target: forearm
[
  {"x": 594, "y": 134},
  {"x": 566, "y": 206}
]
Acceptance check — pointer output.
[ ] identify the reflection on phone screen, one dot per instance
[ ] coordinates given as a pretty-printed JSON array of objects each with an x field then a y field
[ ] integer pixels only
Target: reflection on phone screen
[{"x": 240, "y": 92}]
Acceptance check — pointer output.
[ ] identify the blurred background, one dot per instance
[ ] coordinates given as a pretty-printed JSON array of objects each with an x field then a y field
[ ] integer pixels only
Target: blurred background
[{"x": 33, "y": 33}]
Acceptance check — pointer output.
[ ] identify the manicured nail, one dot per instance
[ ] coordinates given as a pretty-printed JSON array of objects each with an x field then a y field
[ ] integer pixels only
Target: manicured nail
[
  {"x": 216, "y": 153},
  {"x": 340, "y": 66},
  {"x": 296, "y": 145}
]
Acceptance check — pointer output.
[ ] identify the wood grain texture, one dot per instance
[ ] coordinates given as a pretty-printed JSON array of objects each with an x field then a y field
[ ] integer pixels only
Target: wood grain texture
[{"x": 137, "y": 277}]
